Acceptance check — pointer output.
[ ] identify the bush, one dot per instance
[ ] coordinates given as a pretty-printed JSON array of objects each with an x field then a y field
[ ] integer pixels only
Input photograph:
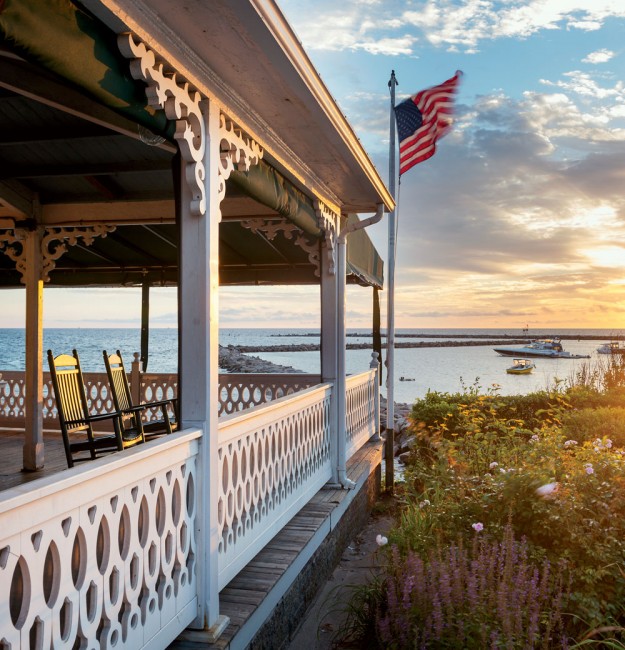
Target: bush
[
  {"x": 588, "y": 424},
  {"x": 566, "y": 495},
  {"x": 443, "y": 410}
]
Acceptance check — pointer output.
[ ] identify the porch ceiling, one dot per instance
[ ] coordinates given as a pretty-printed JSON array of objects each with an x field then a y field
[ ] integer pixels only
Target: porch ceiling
[
  {"x": 73, "y": 168},
  {"x": 66, "y": 159}
]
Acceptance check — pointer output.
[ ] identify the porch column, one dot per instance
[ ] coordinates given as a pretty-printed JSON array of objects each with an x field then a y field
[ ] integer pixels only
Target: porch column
[
  {"x": 329, "y": 344},
  {"x": 198, "y": 336},
  {"x": 341, "y": 342},
  {"x": 33, "y": 452}
]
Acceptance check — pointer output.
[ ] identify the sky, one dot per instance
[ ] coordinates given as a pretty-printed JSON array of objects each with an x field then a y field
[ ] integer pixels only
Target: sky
[{"x": 519, "y": 218}]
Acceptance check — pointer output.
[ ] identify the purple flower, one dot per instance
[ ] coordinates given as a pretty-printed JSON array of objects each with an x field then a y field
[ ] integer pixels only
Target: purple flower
[{"x": 477, "y": 527}]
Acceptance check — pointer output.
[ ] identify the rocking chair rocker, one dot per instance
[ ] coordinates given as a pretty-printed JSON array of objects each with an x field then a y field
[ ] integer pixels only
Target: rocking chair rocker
[
  {"x": 75, "y": 419},
  {"x": 122, "y": 399}
]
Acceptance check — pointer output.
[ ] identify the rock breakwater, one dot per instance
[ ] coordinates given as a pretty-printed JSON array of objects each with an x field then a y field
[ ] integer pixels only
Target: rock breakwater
[
  {"x": 234, "y": 360},
  {"x": 315, "y": 347}
]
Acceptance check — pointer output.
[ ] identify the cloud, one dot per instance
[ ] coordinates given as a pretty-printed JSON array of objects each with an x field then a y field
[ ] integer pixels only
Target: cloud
[
  {"x": 599, "y": 56},
  {"x": 457, "y": 25},
  {"x": 523, "y": 203}
]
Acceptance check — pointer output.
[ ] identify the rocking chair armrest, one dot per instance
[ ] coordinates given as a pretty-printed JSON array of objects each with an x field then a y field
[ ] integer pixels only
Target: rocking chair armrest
[
  {"x": 134, "y": 409},
  {"x": 96, "y": 418}
]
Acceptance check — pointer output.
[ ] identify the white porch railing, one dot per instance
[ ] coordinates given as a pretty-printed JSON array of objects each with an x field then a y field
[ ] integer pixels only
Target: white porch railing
[
  {"x": 272, "y": 460},
  {"x": 237, "y": 392},
  {"x": 362, "y": 410},
  {"x": 103, "y": 555}
]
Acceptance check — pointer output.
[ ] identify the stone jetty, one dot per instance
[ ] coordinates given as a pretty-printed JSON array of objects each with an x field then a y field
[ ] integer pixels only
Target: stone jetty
[
  {"x": 315, "y": 347},
  {"x": 234, "y": 360}
]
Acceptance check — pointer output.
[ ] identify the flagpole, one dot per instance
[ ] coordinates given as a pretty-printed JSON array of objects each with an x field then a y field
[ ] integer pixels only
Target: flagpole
[{"x": 390, "y": 309}]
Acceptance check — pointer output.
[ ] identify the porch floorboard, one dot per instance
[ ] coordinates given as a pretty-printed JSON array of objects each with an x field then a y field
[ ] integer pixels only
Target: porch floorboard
[
  {"x": 251, "y": 590},
  {"x": 11, "y": 458}
]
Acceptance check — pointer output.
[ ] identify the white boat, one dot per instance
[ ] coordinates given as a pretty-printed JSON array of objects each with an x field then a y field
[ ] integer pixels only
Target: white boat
[
  {"x": 521, "y": 367},
  {"x": 544, "y": 348},
  {"x": 613, "y": 347}
]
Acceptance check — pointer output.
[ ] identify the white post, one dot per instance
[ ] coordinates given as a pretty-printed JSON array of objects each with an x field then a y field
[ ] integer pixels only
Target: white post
[
  {"x": 135, "y": 378},
  {"x": 329, "y": 347},
  {"x": 33, "y": 452},
  {"x": 375, "y": 364},
  {"x": 341, "y": 342},
  {"x": 390, "y": 309},
  {"x": 199, "y": 332}
]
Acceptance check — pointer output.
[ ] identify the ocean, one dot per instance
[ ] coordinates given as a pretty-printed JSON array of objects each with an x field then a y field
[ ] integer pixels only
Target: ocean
[{"x": 443, "y": 369}]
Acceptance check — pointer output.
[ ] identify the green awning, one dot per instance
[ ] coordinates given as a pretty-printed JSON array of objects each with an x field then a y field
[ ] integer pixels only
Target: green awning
[
  {"x": 71, "y": 43},
  {"x": 269, "y": 187},
  {"x": 363, "y": 262}
]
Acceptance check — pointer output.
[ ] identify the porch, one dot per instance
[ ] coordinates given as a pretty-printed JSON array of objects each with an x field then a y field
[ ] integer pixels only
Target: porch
[
  {"x": 107, "y": 551},
  {"x": 162, "y": 160}
]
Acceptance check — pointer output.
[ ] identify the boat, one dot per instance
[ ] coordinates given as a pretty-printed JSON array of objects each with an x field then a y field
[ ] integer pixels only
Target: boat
[
  {"x": 543, "y": 348},
  {"x": 521, "y": 367},
  {"x": 613, "y": 347},
  {"x": 406, "y": 378}
]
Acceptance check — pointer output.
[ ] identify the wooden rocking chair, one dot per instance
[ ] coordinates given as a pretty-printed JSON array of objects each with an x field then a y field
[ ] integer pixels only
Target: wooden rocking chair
[
  {"x": 74, "y": 416},
  {"x": 122, "y": 399}
]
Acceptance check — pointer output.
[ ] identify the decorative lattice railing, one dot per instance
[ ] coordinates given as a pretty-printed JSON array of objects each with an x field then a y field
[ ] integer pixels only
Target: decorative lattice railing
[
  {"x": 106, "y": 557},
  {"x": 242, "y": 391},
  {"x": 272, "y": 459},
  {"x": 362, "y": 410},
  {"x": 237, "y": 392}
]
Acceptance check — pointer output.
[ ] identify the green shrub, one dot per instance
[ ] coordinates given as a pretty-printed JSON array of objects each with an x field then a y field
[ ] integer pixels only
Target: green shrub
[
  {"x": 490, "y": 473},
  {"x": 590, "y": 423}
]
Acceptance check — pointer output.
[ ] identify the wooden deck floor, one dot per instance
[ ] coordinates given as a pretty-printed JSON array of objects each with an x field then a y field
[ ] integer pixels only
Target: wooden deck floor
[{"x": 11, "y": 455}]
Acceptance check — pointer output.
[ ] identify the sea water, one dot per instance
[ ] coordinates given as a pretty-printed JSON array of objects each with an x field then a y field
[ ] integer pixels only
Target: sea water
[{"x": 443, "y": 369}]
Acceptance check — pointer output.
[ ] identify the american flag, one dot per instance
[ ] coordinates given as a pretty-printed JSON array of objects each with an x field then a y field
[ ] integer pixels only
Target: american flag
[{"x": 422, "y": 119}]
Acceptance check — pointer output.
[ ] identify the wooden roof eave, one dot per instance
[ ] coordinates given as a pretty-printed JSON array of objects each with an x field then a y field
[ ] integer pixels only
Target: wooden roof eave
[{"x": 336, "y": 168}]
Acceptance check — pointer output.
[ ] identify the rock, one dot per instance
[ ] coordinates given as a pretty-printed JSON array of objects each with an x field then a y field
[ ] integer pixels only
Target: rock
[{"x": 233, "y": 360}]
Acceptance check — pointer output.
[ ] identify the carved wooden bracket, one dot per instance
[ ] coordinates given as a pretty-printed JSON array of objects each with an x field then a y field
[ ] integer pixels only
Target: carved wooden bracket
[
  {"x": 237, "y": 151},
  {"x": 328, "y": 220},
  {"x": 11, "y": 242},
  {"x": 180, "y": 103},
  {"x": 269, "y": 229},
  {"x": 54, "y": 242}
]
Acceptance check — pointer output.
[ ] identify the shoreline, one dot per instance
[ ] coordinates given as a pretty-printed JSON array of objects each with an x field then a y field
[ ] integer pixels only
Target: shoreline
[{"x": 315, "y": 347}]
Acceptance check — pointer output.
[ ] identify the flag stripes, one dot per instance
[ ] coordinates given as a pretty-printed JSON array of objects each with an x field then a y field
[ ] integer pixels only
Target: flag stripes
[{"x": 422, "y": 120}]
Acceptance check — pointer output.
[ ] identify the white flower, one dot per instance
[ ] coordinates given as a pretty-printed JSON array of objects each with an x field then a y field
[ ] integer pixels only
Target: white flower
[
  {"x": 494, "y": 464},
  {"x": 608, "y": 443},
  {"x": 381, "y": 540},
  {"x": 534, "y": 438},
  {"x": 547, "y": 489},
  {"x": 570, "y": 443},
  {"x": 477, "y": 526},
  {"x": 424, "y": 503}
]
